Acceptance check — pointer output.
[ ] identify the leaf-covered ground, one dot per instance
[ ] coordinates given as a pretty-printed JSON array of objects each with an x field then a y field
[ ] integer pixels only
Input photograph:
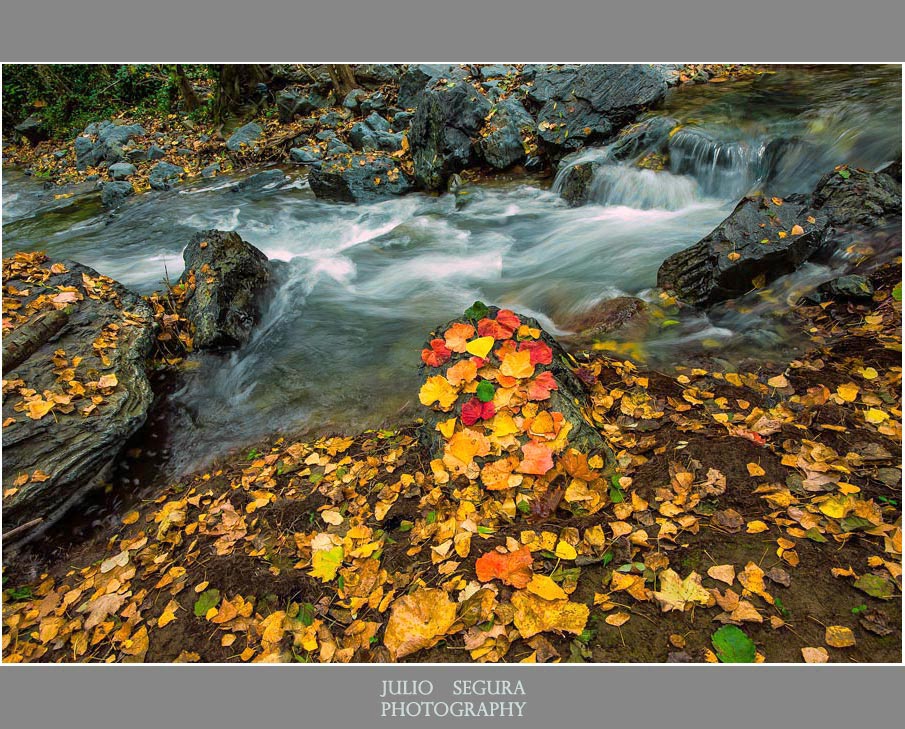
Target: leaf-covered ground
[{"x": 750, "y": 516}]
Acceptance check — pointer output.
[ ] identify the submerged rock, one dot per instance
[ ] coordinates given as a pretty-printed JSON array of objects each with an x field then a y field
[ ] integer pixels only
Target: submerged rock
[
  {"x": 851, "y": 287},
  {"x": 78, "y": 393},
  {"x": 260, "y": 181},
  {"x": 623, "y": 317},
  {"x": 505, "y": 413},
  {"x": 225, "y": 278},
  {"x": 358, "y": 179},
  {"x": 448, "y": 117}
]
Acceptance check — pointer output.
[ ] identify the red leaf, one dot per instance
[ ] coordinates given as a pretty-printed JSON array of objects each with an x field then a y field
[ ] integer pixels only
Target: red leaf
[
  {"x": 508, "y": 319},
  {"x": 513, "y": 568},
  {"x": 540, "y": 387},
  {"x": 475, "y": 410},
  {"x": 540, "y": 352},
  {"x": 437, "y": 355}
]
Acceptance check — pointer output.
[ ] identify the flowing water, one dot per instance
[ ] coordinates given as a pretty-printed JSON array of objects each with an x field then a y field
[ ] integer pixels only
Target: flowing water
[{"x": 360, "y": 286}]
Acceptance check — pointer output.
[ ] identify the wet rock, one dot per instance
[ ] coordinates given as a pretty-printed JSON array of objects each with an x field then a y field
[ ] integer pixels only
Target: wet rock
[
  {"x": 592, "y": 103},
  {"x": 155, "y": 152},
  {"x": 113, "y": 193},
  {"x": 260, "y": 181},
  {"x": 375, "y": 102},
  {"x": 230, "y": 277},
  {"x": 858, "y": 198},
  {"x": 65, "y": 452},
  {"x": 336, "y": 147},
  {"x": 448, "y": 117},
  {"x": 502, "y": 147},
  {"x": 353, "y": 99},
  {"x": 87, "y": 153},
  {"x": 165, "y": 175},
  {"x": 374, "y": 134},
  {"x": 645, "y": 137},
  {"x": 745, "y": 251},
  {"x": 575, "y": 186},
  {"x": 418, "y": 76},
  {"x": 569, "y": 398},
  {"x": 244, "y": 137},
  {"x": 32, "y": 129},
  {"x": 347, "y": 180},
  {"x": 402, "y": 121},
  {"x": 893, "y": 170},
  {"x": 212, "y": 170},
  {"x": 623, "y": 317},
  {"x": 122, "y": 170},
  {"x": 847, "y": 288},
  {"x": 496, "y": 70}
]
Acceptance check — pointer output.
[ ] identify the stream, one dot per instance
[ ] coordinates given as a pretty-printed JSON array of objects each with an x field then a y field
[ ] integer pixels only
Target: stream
[{"x": 360, "y": 286}]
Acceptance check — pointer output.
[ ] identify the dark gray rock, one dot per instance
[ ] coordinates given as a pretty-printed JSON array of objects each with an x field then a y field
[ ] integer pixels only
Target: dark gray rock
[
  {"x": 212, "y": 170},
  {"x": 333, "y": 118},
  {"x": 306, "y": 155},
  {"x": 858, "y": 198},
  {"x": 347, "y": 180},
  {"x": 402, "y": 121},
  {"x": 61, "y": 154},
  {"x": 122, "y": 170},
  {"x": 375, "y": 102},
  {"x": 165, "y": 175},
  {"x": 847, "y": 288},
  {"x": 259, "y": 181},
  {"x": 417, "y": 77},
  {"x": 373, "y": 134},
  {"x": 448, "y": 117},
  {"x": 325, "y": 135},
  {"x": 353, "y": 99},
  {"x": 87, "y": 153},
  {"x": 502, "y": 147},
  {"x": 743, "y": 248},
  {"x": 893, "y": 170},
  {"x": 624, "y": 318},
  {"x": 592, "y": 103},
  {"x": 69, "y": 446},
  {"x": 575, "y": 184},
  {"x": 230, "y": 278},
  {"x": 336, "y": 147},
  {"x": 645, "y": 137},
  {"x": 32, "y": 129},
  {"x": 113, "y": 193},
  {"x": 377, "y": 74},
  {"x": 377, "y": 122},
  {"x": 244, "y": 137},
  {"x": 155, "y": 152},
  {"x": 496, "y": 70}
]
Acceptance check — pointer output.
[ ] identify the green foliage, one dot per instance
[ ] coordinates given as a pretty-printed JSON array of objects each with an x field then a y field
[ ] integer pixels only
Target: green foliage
[
  {"x": 209, "y": 599},
  {"x": 69, "y": 96},
  {"x": 733, "y": 646}
]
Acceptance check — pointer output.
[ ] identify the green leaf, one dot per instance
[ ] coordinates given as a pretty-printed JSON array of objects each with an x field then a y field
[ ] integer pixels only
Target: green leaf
[
  {"x": 854, "y": 523},
  {"x": 875, "y": 586},
  {"x": 431, "y": 517},
  {"x": 405, "y": 525},
  {"x": 668, "y": 323},
  {"x": 485, "y": 391},
  {"x": 478, "y": 310},
  {"x": 815, "y": 536},
  {"x": 523, "y": 506},
  {"x": 844, "y": 174},
  {"x": 306, "y": 613},
  {"x": 897, "y": 292},
  {"x": 209, "y": 599},
  {"x": 732, "y": 645}
]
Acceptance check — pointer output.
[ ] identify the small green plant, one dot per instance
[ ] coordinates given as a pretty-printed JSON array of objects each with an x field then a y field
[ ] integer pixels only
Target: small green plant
[{"x": 858, "y": 609}]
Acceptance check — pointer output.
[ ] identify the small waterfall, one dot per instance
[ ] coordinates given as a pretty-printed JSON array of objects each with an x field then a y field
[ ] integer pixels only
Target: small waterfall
[
  {"x": 723, "y": 168},
  {"x": 642, "y": 189}
]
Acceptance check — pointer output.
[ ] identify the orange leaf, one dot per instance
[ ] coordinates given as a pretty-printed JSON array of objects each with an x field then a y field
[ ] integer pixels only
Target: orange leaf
[
  {"x": 457, "y": 336},
  {"x": 513, "y": 568},
  {"x": 538, "y": 459}
]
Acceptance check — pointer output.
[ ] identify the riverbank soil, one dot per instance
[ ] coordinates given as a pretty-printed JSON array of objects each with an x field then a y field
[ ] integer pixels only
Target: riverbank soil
[{"x": 751, "y": 516}]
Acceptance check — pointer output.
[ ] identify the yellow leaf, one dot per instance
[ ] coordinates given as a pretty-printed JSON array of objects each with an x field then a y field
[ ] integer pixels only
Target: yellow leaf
[
  {"x": 797, "y": 230},
  {"x": 517, "y": 364},
  {"x": 37, "y": 409},
  {"x": 326, "y": 562},
  {"x": 848, "y": 392},
  {"x": 755, "y": 470},
  {"x": 734, "y": 256},
  {"x": 756, "y": 527},
  {"x": 678, "y": 594},
  {"x": 723, "y": 573},
  {"x": 107, "y": 381},
  {"x": 535, "y": 615},
  {"x": 168, "y": 615},
  {"x": 437, "y": 389},
  {"x": 869, "y": 373},
  {"x": 838, "y": 636},
  {"x": 617, "y": 619},
  {"x": 875, "y": 416},
  {"x": 564, "y": 550},
  {"x": 544, "y": 587},
  {"x": 418, "y": 621},
  {"x": 447, "y": 427},
  {"x": 480, "y": 347},
  {"x": 131, "y": 517}
]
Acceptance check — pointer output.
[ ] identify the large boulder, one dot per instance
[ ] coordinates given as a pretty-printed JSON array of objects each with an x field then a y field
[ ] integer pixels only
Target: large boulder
[
  {"x": 502, "y": 407},
  {"x": 357, "y": 178},
  {"x": 225, "y": 278},
  {"x": 592, "y": 103},
  {"x": 448, "y": 118},
  {"x": 376, "y": 74},
  {"x": 759, "y": 242},
  {"x": 374, "y": 133},
  {"x": 113, "y": 193},
  {"x": 762, "y": 240},
  {"x": 292, "y": 103},
  {"x": 104, "y": 142},
  {"x": 418, "y": 76},
  {"x": 574, "y": 182},
  {"x": 75, "y": 386},
  {"x": 502, "y": 143}
]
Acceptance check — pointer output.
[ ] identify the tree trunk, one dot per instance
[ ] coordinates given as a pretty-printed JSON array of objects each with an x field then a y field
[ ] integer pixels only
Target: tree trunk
[
  {"x": 185, "y": 88},
  {"x": 343, "y": 78},
  {"x": 234, "y": 83}
]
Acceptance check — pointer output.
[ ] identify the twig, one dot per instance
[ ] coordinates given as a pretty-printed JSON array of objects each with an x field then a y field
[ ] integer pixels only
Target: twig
[{"x": 23, "y": 527}]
